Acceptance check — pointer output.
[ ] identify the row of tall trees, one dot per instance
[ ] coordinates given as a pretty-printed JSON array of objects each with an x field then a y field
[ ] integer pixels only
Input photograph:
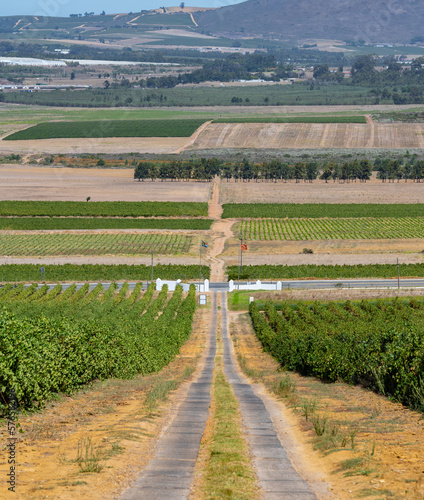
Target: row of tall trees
[{"x": 245, "y": 171}]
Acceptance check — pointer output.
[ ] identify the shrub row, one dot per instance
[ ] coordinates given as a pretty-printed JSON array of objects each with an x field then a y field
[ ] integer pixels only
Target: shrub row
[{"x": 375, "y": 344}]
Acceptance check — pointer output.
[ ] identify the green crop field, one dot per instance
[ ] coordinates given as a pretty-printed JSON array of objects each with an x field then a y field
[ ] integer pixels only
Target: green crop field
[
  {"x": 273, "y": 95},
  {"x": 360, "y": 228},
  {"x": 44, "y": 223},
  {"x": 32, "y": 115},
  {"x": 99, "y": 272},
  {"x": 177, "y": 19},
  {"x": 93, "y": 244},
  {"x": 378, "y": 344},
  {"x": 57, "y": 340},
  {"x": 102, "y": 209},
  {"x": 281, "y": 273},
  {"x": 319, "y": 210},
  {"x": 295, "y": 119},
  {"x": 108, "y": 128}
]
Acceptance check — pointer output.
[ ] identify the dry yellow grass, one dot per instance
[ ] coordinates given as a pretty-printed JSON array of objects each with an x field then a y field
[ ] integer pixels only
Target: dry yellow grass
[
  {"x": 75, "y": 184},
  {"x": 112, "y": 145},
  {"x": 387, "y": 436},
  {"x": 373, "y": 191}
]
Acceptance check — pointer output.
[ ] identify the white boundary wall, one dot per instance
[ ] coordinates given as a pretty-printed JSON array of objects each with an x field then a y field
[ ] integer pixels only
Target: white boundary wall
[
  {"x": 258, "y": 285},
  {"x": 172, "y": 285}
]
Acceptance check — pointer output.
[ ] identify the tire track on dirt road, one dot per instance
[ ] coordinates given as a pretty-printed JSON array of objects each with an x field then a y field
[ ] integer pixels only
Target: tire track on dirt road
[
  {"x": 277, "y": 476},
  {"x": 371, "y": 139},
  {"x": 169, "y": 475}
]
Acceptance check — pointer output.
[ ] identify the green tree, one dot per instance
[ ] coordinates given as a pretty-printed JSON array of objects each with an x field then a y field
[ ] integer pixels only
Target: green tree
[
  {"x": 327, "y": 172},
  {"x": 299, "y": 171},
  {"x": 141, "y": 171},
  {"x": 311, "y": 171},
  {"x": 227, "y": 171}
]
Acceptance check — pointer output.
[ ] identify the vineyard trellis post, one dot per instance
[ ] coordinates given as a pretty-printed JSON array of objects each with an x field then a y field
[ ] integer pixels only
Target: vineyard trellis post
[
  {"x": 152, "y": 266},
  {"x": 240, "y": 270},
  {"x": 200, "y": 264}
]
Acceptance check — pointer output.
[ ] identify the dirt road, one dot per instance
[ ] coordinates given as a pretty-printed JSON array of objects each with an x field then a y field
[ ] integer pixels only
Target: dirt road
[
  {"x": 170, "y": 473},
  {"x": 220, "y": 234}
]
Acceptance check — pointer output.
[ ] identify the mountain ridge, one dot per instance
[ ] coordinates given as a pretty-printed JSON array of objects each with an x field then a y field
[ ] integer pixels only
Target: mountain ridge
[{"x": 396, "y": 21}]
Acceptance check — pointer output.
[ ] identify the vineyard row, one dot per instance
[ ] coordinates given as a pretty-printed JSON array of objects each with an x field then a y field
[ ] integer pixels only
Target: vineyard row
[
  {"x": 97, "y": 272},
  {"x": 56, "y": 341},
  {"x": 376, "y": 344},
  {"x": 333, "y": 229}
]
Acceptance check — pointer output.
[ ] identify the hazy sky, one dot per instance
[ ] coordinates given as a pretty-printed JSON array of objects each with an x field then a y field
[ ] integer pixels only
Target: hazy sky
[{"x": 65, "y": 7}]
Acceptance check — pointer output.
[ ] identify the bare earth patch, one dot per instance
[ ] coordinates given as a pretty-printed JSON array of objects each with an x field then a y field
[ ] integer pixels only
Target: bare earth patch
[
  {"x": 75, "y": 184},
  {"x": 113, "y": 145},
  {"x": 327, "y": 251},
  {"x": 310, "y": 136},
  {"x": 372, "y": 191}
]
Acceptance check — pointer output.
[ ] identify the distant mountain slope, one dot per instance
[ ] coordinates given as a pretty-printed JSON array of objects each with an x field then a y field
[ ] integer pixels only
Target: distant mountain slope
[{"x": 371, "y": 21}]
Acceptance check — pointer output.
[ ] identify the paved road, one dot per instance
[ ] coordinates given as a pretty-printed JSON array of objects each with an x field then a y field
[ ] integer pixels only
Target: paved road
[
  {"x": 342, "y": 283},
  {"x": 295, "y": 284}
]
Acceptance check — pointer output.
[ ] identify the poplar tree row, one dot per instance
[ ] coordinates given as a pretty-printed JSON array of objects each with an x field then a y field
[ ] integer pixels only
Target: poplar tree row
[{"x": 204, "y": 169}]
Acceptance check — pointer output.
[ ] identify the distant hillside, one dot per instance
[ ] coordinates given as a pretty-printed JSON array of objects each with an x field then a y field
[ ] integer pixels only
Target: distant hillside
[
  {"x": 376, "y": 21},
  {"x": 175, "y": 18}
]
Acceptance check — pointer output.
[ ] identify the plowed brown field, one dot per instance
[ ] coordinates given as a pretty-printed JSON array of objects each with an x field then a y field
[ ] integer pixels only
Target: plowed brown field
[{"x": 310, "y": 135}]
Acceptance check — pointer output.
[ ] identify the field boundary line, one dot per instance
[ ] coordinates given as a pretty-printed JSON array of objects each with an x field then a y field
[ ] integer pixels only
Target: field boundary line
[{"x": 193, "y": 138}]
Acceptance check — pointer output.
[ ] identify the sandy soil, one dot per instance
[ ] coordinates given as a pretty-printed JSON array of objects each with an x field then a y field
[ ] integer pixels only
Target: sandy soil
[
  {"x": 388, "y": 436},
  {"x": 220, "y": 233},
  {"x": 112, "y": 145},
  {"x": 310, "y": 136},
  {"x": 361, "y": 250},
  {"x": 373, "y": 191},
  {"x": 75, "y": 184}
]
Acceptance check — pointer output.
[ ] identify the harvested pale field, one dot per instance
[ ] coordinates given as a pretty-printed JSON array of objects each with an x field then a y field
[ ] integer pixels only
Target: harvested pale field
[
  {"x": 310, "y": 136},
  {"x": 75, "y": 184},
  {"x": 325, "y": 248},
  {"x": 110, "y": 145},
  {"x": 373, "y": 191}
]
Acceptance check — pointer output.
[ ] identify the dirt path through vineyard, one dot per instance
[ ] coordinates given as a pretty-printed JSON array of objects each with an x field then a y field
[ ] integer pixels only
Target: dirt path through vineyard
[{"x": 220, "y": 233}]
